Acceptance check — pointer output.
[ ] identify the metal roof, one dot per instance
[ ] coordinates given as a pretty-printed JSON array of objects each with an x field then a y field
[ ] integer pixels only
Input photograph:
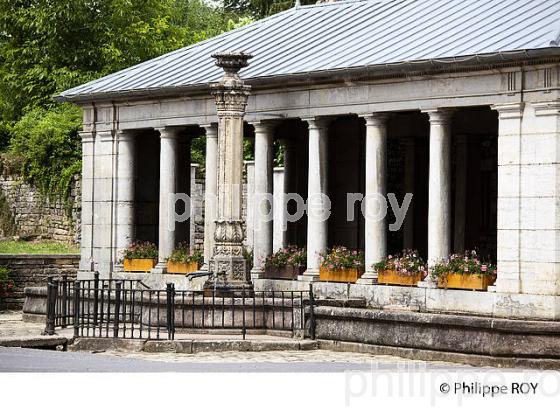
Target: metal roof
[{"x": 345, "y": 35}]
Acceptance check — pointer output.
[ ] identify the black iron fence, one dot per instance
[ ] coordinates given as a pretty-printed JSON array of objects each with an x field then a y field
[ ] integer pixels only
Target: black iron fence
[{"x": 127, "y": 309}]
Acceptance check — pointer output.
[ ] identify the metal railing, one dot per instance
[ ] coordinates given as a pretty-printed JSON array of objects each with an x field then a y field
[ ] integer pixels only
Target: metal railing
[{"x": 127, "y": 309}]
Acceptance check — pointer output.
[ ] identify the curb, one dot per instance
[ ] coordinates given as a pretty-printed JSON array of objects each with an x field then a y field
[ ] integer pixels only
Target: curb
[
  {"x": 189, "y": 346},
  {"x": 36, "y": 342}
]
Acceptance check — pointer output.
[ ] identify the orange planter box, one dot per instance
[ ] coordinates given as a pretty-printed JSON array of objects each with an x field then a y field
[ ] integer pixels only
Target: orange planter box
[
  {"x": 391, "y": 277},
  {"x": 178, "y": 267},
  {"x": 139, "y": 265},
  {"x": 340, "y": 275},
  {"x": 468, "y": 282}
]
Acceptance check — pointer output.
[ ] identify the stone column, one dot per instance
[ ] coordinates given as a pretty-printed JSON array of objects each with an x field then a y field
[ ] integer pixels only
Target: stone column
[
  {"x": 126, "y": 177},
  {"x": 231, "y": 96},
  {"x": 290, "y": 164},
  {"x": 409, "y": 185},
  {"x": 318, "y": 203},
  {"x": 88, "y": 208},
  {"x": 510, "y": 134},
  {"x": 194, "y": 205},
  {"x": 249, "y": 210},
  {"x": 376, "y": 170},
  {"x": 210, "y": 191},
  {"x": 167, "y": 187},
  {"x": 439, "y": 198},
  {"x": 262, "y": 245},
  {"x": 461, "y": 163},
  {"x": 279, "y": 233}
]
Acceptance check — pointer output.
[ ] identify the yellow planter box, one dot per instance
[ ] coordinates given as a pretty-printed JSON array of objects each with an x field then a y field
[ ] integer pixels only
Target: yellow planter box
[
  {"x": 466, "y": 281},
  {"x": 340, "y": 275},
  {"x": 139, "y": 265},
  {"x": 391, "y": 277},
  {"x": 178, "y": 267}
]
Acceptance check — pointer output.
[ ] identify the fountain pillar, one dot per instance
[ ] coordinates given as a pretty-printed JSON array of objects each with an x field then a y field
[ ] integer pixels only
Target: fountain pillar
[{"x": 231, "y": 94}]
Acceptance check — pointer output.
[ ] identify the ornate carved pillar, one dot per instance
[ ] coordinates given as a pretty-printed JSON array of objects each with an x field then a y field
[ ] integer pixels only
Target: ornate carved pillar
[{"x": 231, "y": 96}]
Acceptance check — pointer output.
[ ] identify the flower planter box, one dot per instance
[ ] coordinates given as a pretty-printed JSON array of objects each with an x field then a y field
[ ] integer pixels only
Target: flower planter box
[
  {"x": 467, "y": 282},
  {"x": 285, "y": 272},
  {"x": 179, "y": 267},
  {"x": 340, "y": 275},
  {"x": 139, "y": 265},
  {"x": 391, "y": 277}
]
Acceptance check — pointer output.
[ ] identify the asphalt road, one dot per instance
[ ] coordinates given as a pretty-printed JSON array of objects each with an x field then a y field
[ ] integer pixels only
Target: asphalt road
[{"x": 32, "y": 360}]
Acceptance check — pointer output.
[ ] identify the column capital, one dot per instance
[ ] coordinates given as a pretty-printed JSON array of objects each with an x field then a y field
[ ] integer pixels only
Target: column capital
[
  {"x": 439, "y": 116},
  {"x": 125, "y": 135},
  {"x": 168, "y": 132},
  {"x": 546, "y": 108},
  {"x": 263, "y": 127},
  {"x": 211, "y": 129},
  {"x": 509, "y": 111},
  {"x": 105, "y": 136},
  {"x": 87, "y": 137},
  {"x": 375, "y": 119},
  {"x": 317, "y": 122}
]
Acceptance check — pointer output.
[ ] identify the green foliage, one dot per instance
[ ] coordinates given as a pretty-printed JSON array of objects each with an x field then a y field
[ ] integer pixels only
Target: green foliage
[
  {"x": 262, "y": 8},
  {"x": 49, "y": 144},
  {"x": 183, "y": 254},
  {"x": 6, "y": 284},
  {"x": 7, "y": 221},
  {"x": 37, "y": 248}
]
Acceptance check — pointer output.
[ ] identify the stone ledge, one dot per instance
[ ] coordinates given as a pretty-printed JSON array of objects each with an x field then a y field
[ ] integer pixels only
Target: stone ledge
[
  {"x": 39, "y": 256},
  {"x": 446, "y": 333},
  {"x": 434, "y": 355}
]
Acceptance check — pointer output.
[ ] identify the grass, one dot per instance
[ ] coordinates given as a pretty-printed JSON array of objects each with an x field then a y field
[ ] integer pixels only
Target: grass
[{"x": 39, "y": 247}]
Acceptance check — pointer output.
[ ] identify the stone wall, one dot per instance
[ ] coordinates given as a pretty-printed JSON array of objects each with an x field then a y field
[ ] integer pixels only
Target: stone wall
[
  {"x": 26, "y": 213},
  {"x": 33, "y": 270}
]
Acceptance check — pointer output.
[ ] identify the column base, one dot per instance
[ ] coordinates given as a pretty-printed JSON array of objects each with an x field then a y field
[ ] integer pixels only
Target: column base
[
  {"x": 309, "y": 276},
  {"x": 118, "y": 267},
  {"x": 427, "y": 285},
  {"x": 368, "y": 278},
  {"x": 160, "y": 268},
  {"x": 256, "y": 274}
]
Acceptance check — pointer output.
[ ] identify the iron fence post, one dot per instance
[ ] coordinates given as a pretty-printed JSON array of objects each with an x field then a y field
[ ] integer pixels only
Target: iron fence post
[
  {"x": 170, "y": 293},
  {"x": 64, "y": 300},
  {"x": 76, "y": 309},
  {"x": 311, "y": 313},
  {"x": 95, "y": 297},
  {"x": 51, "y": 306},
  {"x": 118, "y": 289}
]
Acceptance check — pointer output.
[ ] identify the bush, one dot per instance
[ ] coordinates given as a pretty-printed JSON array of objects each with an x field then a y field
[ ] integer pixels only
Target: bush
[
  {"x": 6, "y": 284},
  {"x": 49, "y": 145}
]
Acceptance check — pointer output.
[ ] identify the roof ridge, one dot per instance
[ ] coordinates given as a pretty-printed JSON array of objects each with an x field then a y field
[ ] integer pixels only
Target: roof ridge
[{"x": 338, "y": 2}]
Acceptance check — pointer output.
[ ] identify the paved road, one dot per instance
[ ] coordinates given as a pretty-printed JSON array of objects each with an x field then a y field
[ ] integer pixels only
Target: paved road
[{"x": 31, "y": 360}]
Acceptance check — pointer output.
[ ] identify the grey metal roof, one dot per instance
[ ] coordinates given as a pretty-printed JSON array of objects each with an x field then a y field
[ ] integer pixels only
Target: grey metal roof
[{"x": 347, "y": 34}]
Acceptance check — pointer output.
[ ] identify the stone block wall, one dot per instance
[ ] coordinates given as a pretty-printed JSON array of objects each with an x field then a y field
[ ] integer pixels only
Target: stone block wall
[
  {"x": 33, "y": 270},
  {"x": 29, "y": 214}
]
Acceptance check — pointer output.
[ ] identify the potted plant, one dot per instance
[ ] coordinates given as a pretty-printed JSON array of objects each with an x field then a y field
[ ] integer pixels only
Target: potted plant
[
  {"x": 406, "y": 270},
  {"x": 6, "y": 283},
  {"x": 341, "y": 265},
  {"x": 140, "y": 257},
  {"x": 286, "y": 263},
  {"x": 466, "y": 271},
  {"x": 184, "y": 260}
]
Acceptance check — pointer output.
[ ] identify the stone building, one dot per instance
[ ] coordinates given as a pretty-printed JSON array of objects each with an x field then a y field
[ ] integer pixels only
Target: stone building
[{"x": 456, "y": 102}]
